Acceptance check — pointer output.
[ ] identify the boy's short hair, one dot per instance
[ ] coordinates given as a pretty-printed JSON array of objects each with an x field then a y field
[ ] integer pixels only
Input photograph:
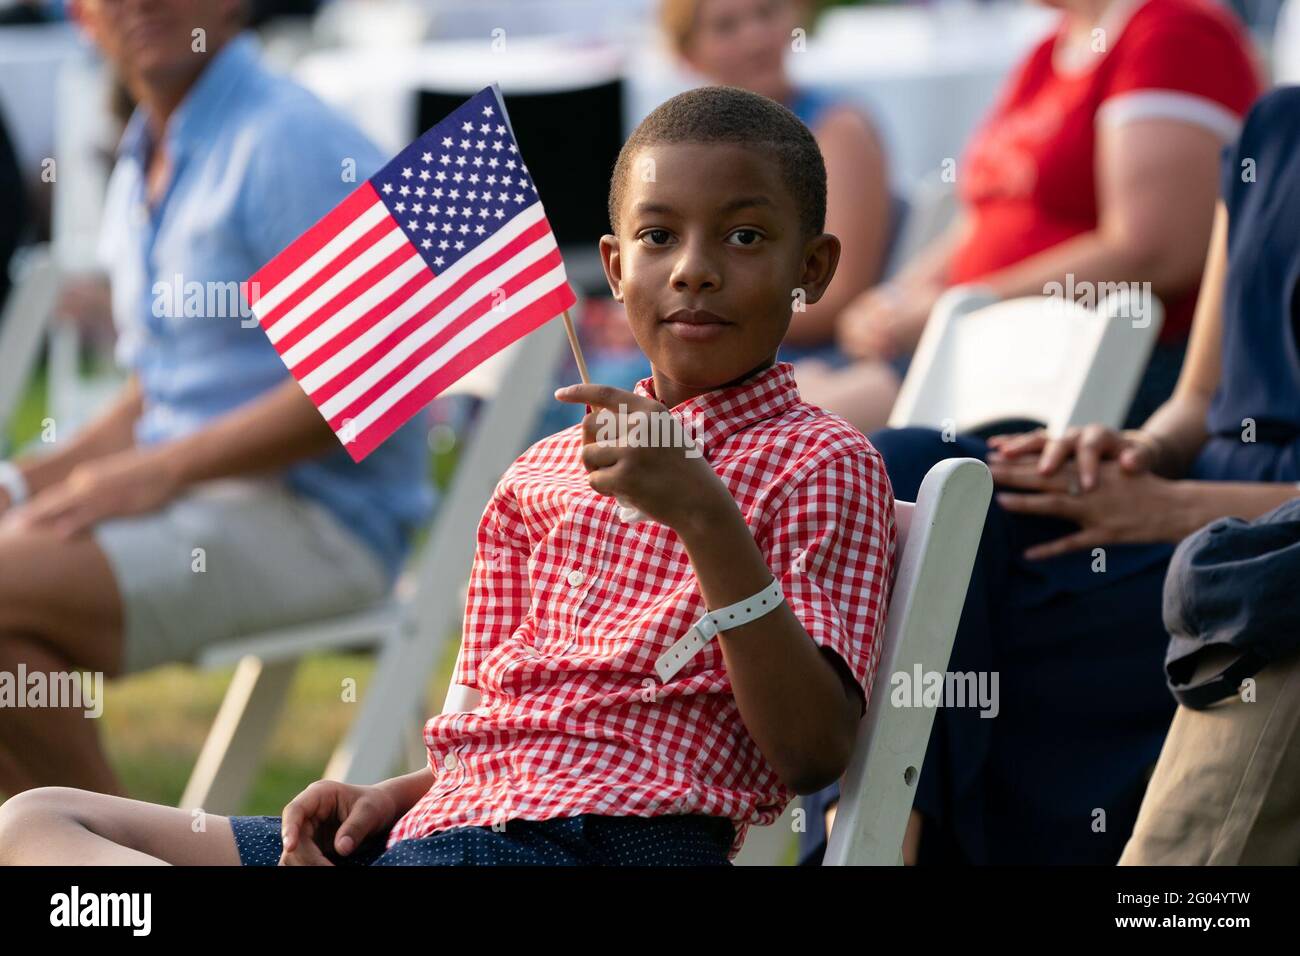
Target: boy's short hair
[{"x": 727, "y": 114}]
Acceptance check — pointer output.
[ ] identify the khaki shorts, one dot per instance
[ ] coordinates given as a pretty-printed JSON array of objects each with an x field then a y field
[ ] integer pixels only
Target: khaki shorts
[
  {"x": 1226, "y": 790},
  {"x": 229, "y": 559}
]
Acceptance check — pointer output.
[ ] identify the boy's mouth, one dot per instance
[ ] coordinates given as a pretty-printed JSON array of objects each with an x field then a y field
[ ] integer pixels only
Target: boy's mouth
[{"x": 695, "y": 325}]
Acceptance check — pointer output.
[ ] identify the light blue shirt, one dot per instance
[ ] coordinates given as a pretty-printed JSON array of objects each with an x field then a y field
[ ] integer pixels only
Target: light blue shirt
[{"x": 256, "y": 160}]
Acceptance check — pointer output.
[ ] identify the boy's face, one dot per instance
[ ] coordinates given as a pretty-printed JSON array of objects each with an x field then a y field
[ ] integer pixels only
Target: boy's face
[{"x": 708, "y": 260}]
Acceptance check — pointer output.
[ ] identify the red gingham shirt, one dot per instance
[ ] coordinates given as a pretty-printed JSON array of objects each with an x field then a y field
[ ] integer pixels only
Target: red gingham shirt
[{"x": 569, "y": 607}]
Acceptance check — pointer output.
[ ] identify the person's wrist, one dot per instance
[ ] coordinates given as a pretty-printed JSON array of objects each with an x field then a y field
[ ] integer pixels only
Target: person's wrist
[
  {"x": 707, "y": 513},
  {"x": 1187, "y": 510}
]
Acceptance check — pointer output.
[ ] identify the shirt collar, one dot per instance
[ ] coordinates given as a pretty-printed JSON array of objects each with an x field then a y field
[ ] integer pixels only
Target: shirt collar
[
  {"x": 192, "y": 122},
  {"x": 725, "y": 411}
]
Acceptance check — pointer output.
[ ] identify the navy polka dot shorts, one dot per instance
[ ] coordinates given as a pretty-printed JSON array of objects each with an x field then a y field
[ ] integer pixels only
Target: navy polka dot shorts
[{"x": 586, "y": 840}]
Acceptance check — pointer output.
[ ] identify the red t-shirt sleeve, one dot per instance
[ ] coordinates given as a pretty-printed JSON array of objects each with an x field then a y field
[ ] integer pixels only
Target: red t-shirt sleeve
[{"x": 1185, "y": 48}]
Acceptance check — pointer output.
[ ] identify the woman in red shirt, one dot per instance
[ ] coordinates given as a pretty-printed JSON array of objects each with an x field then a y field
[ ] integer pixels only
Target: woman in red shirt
[{"x": 1099, "y": 162}]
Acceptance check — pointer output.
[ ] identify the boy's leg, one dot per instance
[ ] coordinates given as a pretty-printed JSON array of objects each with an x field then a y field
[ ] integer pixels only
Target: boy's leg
[
  {"x": 65, "y": 827},
  {"x": 59, "y": 611}
]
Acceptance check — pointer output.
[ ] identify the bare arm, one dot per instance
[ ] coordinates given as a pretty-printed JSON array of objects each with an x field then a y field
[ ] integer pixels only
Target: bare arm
[
  {"x": 858, "y": 211},
  {"x": 112, "y": 431},
  {"x": 1156, "y": 183},
  {"x": 269, "y": 433},
  {"x": 1178, "y": 426},
  {"x": 794, "y": 701}
]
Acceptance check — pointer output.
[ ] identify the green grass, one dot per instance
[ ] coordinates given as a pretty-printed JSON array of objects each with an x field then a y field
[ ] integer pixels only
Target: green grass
[{"x": 155, "y": 723}]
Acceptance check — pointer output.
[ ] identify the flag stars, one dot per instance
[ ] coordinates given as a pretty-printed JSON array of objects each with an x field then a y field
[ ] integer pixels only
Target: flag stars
[
  {"x": 424, "y": 175},
  {"x": 487, "y": 111},
  {"x": 446, "y": 142},
  {"x": 419, "y": 191},
  {"x": 387, "y": 189},
  {"x": 412, "y": 225},
  {"x": 400, "y": 206},
  {"x": 404, "y": 191},
  {"x": 496, "y": 145},
  {"x": 459, "y": 245},
  {"x": 479, "y": 230},
  {"x": 425, "y": 244},
  {"x": 426, "y": 157},
  {"x": 467, "y": 126},
  {"x": 406, "y": 172},
  {"x": 445, "y": 159},
  {"x": 464, "y": 144},
  {"x": 438, "y": 261}
]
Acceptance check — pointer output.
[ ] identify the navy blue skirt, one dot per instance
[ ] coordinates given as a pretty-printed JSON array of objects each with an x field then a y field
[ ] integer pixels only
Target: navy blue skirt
[{"x": 586, "y": 840}]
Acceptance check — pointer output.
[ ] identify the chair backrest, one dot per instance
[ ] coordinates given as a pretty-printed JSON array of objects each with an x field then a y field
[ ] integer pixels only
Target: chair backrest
[
  {"x": 931, "y": 206},
  {"x": 937, "y": 538},
  {"x": 23, "y": 325},
  {"x": 1044, "y": 358}
]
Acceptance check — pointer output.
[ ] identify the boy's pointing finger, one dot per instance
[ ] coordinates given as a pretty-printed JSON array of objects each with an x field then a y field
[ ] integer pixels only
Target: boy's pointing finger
[{"x": 601, "y": 396}]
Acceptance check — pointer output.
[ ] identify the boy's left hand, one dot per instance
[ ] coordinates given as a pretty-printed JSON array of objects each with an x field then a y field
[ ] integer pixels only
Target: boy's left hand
[{"x": 663, "y": 482}]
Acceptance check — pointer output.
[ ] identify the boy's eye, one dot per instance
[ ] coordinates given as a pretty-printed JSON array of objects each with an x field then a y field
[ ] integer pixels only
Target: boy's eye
[
  {"x": 656, "y": 237},
  {"x": 745, "y": 237}
]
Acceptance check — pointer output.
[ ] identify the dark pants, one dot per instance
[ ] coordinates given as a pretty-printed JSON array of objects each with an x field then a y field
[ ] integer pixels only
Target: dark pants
[{"x": 1058, "y": 775}]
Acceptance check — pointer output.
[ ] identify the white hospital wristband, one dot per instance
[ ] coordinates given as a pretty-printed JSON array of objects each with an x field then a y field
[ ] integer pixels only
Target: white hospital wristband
[
  {"x": 707, "y": 627},
  {"x": 13, "y": 483}
]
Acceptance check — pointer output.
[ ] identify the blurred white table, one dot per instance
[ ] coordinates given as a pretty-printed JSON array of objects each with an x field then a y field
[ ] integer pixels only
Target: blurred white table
[{"x": 925, "y": 74}]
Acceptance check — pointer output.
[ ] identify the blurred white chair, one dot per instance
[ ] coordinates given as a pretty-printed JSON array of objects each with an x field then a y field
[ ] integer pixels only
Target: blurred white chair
[
  {"x": 23, "y": 325},
  {"x": 1042, "y": 358},
  {"x": 937, "y": 540},
  {"x": 409, "y": 630}
]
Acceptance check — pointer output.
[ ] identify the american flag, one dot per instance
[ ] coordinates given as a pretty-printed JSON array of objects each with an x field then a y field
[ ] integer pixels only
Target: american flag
[{"x": 434, "y": 264}]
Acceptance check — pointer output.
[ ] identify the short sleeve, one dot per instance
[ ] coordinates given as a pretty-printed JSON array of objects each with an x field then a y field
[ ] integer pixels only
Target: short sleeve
[
  {"x": 1183, "y": 63},
  {"x": 499, "y": 595},
  {"x": 831, "y": 545},
  {"x": 302, "y": 166}
]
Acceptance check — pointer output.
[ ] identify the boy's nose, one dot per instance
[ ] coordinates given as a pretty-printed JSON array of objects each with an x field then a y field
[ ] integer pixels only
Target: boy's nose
[{"x": 695, "y": 271}]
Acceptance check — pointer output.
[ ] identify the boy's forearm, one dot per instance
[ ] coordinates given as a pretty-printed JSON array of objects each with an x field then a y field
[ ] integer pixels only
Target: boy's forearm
[
  {"x": 791, "y": 698},
  {"x": 111, "y": 432},
  {"x": 408, "y": 788}
]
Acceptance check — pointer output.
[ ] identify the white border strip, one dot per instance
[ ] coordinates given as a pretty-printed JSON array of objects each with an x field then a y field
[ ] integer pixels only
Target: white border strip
[{"x": 1172, "y": 105}]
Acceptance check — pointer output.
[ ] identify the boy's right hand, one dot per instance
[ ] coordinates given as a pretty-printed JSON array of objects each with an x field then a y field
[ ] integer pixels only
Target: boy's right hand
[{"x": 333, "y": 818}]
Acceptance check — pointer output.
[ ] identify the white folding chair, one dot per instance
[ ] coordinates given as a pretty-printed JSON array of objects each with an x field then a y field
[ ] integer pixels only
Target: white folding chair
[
  {"x": 937, "y": 540},
  {"x": 23, "y": 325},
  {"x": 1042, "y": 358},
  {"x": 408, "y": 630},
  {"x": 937, "y": 537}
]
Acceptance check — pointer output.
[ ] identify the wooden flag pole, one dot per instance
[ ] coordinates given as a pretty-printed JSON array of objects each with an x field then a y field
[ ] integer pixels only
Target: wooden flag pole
[
  {"x": 626, "y": 512},
  {"x": 577, "y": 349}
]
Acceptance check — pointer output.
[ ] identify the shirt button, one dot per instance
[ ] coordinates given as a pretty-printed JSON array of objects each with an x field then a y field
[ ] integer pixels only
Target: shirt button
[
  {"x": 449, "y": 761},
  {"x": 575, "y": 578}
]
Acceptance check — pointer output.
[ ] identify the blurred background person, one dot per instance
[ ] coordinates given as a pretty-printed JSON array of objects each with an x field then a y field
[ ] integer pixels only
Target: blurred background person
[
  {"x": 1098, "y": 162},
  {"x": 1059, "y": 776},
  {"x": 210, "y": 499},
  {"x": 745, "y": 43}
]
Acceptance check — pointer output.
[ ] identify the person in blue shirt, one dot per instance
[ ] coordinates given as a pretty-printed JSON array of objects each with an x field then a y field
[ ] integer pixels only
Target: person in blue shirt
[{"x": 211, "y": 499}]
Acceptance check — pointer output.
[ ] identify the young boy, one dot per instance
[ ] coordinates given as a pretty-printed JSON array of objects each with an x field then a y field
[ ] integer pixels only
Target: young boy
[{"x": 600, "y": 736}]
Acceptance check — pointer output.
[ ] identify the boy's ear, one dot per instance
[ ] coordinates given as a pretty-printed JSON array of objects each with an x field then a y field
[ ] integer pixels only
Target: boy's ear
[
  {"x": 821, "y": 257},
  {"x": 613, "y": 265}
]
